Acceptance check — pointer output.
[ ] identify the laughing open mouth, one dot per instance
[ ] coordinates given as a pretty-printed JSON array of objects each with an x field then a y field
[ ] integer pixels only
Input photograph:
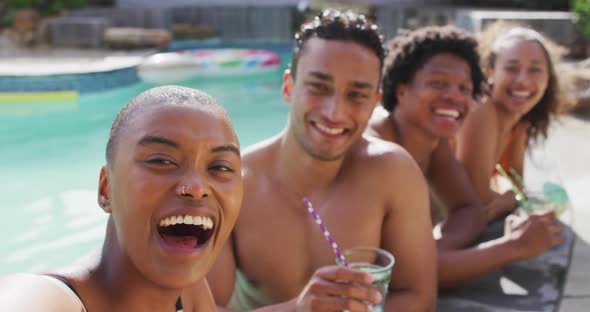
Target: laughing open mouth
[{"x": 186, "y": 232}]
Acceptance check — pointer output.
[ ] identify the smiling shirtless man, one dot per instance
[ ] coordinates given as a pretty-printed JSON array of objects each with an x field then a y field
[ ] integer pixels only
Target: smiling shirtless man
[{"x": 278, "y": 257}]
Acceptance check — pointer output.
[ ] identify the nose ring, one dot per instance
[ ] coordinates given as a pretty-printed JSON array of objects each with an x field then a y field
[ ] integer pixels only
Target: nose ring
[{"x": 183, "y": 190}]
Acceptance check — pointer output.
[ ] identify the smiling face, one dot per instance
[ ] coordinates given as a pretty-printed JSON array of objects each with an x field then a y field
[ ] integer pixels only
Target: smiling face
[
  {"x": 439, "y": 96},
  {"x": 332, "y": 97},
  {"x": 520, "y": 76},
  {"x": 175, "y": 189}
]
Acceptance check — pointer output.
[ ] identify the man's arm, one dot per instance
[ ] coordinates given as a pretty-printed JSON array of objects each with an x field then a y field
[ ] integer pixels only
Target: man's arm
[
  {"x": 407, "y": 234},
  {"x": 466, "y": 218},
  {"x": 500, "y": 205},
  {"x": 524, "y": 237}
]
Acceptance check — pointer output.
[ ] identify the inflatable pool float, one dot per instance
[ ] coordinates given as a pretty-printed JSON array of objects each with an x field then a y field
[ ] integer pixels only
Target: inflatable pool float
[{"x": 188, "y": 64}]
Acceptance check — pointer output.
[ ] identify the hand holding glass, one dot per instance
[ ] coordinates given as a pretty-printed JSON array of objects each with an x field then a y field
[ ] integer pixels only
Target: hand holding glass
[{"x": 375, "y": 261}]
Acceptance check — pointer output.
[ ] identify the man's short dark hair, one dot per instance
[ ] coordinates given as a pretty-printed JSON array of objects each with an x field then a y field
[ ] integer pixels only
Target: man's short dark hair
[
  {"x": 335, "y": 25},
  {"x": 410, "y": 50}
]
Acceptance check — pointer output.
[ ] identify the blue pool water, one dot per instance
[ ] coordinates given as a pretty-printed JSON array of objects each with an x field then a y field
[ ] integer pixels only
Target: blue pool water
[{"x": 51, "y": 153}]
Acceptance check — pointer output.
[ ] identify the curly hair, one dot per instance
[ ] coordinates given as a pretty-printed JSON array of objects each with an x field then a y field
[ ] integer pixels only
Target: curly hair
[
  {"x": 496, "y": 37},
  {"x": 410, "y": 50},
  {"x": 335, "y": 25}
]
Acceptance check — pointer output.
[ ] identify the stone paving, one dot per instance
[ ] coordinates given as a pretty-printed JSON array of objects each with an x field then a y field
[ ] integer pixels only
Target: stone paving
[{"x": 571, "y": 141}]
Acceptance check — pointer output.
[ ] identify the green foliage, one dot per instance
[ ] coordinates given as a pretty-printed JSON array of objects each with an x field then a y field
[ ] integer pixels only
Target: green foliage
[
  {"x": 46, "y": 7},
  {"x": 582, "y": 10},
  {"x": 6, "y": 19}
]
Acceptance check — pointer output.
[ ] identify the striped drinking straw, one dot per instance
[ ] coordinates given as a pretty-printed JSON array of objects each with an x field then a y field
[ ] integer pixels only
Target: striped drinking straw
[
  {"x": 524, "y": 203},
  {"x": 318, "y": 220}
]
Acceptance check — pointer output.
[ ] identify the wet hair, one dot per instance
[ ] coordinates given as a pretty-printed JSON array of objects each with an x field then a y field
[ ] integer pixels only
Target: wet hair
[
  {"x": 410, "y": 50},
  {"x": 162, "y": 96},
  {"x": 335, "y": 25},
  {"x": 496, "y": 37}
]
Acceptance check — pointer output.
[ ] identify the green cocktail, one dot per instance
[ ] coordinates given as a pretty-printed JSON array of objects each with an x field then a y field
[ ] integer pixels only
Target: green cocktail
[{"x": 552, "y": 197}]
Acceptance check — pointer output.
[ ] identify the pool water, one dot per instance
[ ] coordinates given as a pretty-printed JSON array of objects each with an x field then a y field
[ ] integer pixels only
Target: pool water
[{"x": 51, "y": 153}]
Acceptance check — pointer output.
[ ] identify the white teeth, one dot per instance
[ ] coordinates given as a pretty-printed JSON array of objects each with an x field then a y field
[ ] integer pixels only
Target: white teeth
[
  {"x": 452, "y": 113},
  {"x": 202, "y": 221},
  {"x": 330, "y": 130},
  {"x": 521, "y": 94}
]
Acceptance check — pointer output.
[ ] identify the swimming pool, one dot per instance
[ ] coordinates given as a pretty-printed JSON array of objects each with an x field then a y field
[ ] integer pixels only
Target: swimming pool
[{"x": 51, "y": 154}]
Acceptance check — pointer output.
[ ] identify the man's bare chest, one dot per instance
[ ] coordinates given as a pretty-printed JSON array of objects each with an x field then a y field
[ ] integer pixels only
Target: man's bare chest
[{"x": 286, "y": 240}]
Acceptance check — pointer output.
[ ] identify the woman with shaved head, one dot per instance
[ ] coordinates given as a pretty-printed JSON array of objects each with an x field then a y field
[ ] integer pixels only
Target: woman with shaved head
[{"x": 172, "y": 187}]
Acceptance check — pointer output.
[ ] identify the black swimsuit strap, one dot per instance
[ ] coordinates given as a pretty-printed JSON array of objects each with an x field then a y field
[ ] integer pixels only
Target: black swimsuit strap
[
  {"x": 178, "y": 304},
  {"x": 63, "y": 280}
]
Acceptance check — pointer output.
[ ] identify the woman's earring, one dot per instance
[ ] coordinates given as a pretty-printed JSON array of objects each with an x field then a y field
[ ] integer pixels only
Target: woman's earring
[
  {"x": 489, "y": 85},
  {"x": 103, "y": 201}
]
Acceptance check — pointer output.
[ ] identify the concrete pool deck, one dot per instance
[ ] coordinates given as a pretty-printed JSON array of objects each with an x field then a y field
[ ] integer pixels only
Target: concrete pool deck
[
  {"x": 31, "y": 66},
  {"x": 43, "y": 60},
  {"x": 569, "y": 143},
  {"x": 48, "y": 70},
  {"x": 66, "y": 62}
]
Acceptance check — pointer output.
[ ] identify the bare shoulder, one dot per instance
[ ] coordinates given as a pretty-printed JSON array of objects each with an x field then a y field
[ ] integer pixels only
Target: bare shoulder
[
  {"x": 480, "y": 128},
  {"x": 256, "y": 157},
  {"x": 17, "y": 292},
  {"x": 258, "y": 174},
  {"x": 483, "y": 115},
  {"x": 388, "y": 166},
  {"x": 379, "y": 125},
  {"x": 377, "y": 154}
]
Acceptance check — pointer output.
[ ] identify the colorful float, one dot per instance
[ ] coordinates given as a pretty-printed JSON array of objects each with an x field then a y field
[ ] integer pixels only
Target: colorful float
[{"x": 184, "y": 65}]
